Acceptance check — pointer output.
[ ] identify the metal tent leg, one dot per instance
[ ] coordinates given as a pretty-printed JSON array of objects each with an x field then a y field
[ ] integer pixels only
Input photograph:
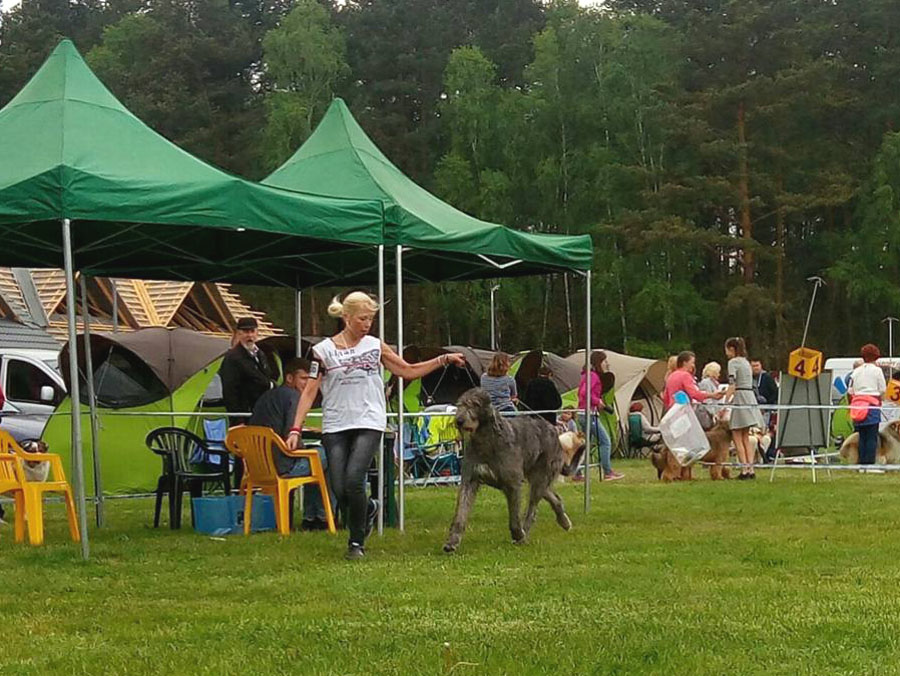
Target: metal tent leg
[
  {"x": 74, "y": 395},
  {"x": 401, "y": 507},
  {"x": 92, "y": 402},
  {"x": 587, "y": 400},
  {"x": 382, "y": 337}
]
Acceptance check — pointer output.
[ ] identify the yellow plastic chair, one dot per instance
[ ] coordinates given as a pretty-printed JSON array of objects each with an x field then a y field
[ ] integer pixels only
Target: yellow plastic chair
[
  {"x": 254, "y": 445},
  {"x": 29, "y": 495}
]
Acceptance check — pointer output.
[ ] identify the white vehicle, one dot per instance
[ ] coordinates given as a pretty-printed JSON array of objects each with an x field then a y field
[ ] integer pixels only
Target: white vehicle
[
  {"x": 842, "y": 367},
  {"x": 33, "y": 389}
]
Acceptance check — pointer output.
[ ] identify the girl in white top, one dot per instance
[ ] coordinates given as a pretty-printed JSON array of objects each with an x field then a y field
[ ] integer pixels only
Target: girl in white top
[{"x": 347, "y": 369}]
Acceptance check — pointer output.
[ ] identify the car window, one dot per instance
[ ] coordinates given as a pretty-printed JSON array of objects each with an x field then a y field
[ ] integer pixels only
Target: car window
[{"x": 24, "y": 382}]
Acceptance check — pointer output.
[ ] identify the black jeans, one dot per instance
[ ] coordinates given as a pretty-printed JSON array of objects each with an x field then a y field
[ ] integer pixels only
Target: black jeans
[
  {"x": 350, "y": 455},
  {"x": 868, "y": 443}
]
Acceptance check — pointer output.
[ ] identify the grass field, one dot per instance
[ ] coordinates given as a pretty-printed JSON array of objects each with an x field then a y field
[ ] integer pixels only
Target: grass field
[{"x": 699, "y": 578}]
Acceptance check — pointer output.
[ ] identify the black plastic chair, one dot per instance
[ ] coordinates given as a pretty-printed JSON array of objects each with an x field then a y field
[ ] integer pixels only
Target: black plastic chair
[{"x": 184, "y": 469}]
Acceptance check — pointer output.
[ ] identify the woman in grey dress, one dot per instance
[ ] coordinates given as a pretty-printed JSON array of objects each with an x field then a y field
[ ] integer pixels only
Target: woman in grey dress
[{"x": 745, "y": 413}]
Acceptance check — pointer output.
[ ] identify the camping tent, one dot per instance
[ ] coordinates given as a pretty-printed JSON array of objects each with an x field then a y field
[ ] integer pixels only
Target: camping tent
[
  {"x": 566, "y": 374},
  {"x": 443, "y": 386},
  {"x": 155, "y": 370},
  {"x": 637, "y": 379}
]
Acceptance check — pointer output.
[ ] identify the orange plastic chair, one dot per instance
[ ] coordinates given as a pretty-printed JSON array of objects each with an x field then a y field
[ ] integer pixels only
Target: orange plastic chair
[
  {"x": 29, "y": 495},
  {"x": 254, "y": 445}
]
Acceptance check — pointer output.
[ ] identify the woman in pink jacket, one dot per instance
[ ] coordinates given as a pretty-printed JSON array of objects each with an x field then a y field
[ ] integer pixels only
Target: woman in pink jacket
[{"x": 598, "y": 431}]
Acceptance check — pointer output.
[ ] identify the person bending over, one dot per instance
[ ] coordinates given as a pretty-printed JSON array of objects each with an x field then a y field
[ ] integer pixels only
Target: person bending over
[{"x": 347, "y": 370}]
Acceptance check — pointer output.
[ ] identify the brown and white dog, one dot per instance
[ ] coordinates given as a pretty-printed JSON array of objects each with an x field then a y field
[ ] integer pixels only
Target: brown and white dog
[
  {"x": 34, "y": 469},
  {"x": 573, "y": 448},
  {"x": 888, "y": 451},
  {"x": 719, "y": 436}
]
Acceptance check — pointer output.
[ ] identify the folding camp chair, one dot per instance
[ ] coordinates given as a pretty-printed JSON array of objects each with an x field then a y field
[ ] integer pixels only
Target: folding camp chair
[
  {"x": 428, "y": 462},
  {"x": 637, "y": 442}
]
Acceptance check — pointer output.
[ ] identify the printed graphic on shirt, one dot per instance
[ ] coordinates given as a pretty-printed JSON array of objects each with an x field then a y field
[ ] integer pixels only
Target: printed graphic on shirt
[{"x": 367, "y": 362}]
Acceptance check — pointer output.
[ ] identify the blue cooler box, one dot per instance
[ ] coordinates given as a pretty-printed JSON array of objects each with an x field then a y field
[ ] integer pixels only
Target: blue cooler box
[{"x": 224, "y": 514}]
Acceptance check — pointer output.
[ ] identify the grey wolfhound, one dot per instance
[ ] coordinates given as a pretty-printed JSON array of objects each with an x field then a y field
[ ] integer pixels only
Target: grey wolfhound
[{"x": 504, "y": 452}]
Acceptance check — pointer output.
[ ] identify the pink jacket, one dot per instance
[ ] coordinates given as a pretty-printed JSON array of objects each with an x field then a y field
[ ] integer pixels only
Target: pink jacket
[
  {"x": 682, "y": 381},
  {"x": 596, "y": 391}
]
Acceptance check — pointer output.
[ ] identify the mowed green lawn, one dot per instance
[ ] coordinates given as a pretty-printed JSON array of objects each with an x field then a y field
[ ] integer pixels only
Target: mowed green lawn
[{"x": 698, "y": 578}]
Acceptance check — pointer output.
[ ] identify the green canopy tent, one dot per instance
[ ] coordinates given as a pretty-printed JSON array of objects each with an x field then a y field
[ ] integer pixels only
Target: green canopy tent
[
  {"x": 131, "y": 203},
  {"x": 340, "y": 160},
  {"x": 433, "y": 241}
]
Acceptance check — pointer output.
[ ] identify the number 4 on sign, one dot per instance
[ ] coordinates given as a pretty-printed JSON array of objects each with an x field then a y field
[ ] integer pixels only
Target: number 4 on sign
[
  {"x": 805, "y": 363},
  {"x": 892, "y": 393}
]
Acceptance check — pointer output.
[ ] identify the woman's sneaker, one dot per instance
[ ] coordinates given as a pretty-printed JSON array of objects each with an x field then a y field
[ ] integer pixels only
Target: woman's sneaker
[
  {"x": 613, "y": 476},
  {"x": 355, "y": 551}
]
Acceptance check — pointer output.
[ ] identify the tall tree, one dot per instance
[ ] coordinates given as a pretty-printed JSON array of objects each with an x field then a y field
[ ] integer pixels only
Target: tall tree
[{"x": 305, "y": 61}]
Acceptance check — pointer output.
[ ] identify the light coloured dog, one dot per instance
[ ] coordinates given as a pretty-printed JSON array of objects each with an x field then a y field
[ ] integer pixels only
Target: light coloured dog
[
  {"x": 573, "y": 448},
  {"x": 888, "y": 451}
]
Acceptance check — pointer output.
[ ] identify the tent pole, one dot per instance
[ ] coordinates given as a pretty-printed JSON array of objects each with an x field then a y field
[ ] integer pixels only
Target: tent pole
[
  {"x": 74, "y": 396},
  {"x": 402, "y": 496},
  {"x": 587, "y": 398},
  {"x": 381, "y": 336},
  {"x": 115, "y": 306},
  {"x": 299, "y": 323},
  {"x": 92, "y": 402}
]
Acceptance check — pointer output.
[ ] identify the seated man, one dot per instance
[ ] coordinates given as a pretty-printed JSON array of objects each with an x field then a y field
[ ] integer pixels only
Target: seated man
[{"x": 275, "y": 409}]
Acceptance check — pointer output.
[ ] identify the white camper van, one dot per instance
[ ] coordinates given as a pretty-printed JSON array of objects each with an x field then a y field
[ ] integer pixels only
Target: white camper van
[{"x": 33, "y": 389}]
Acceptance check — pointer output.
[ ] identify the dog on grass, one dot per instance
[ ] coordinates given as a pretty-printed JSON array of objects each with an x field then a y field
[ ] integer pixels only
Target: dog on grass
[
  {"x": 505, "y": 452},
  {"x": 888, "y": 451},
  {"x": 719, "y": 436},
  {"x": 573, "y": 444}
]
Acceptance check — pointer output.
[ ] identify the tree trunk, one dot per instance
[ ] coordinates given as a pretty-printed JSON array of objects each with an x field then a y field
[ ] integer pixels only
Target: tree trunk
[
  {"x": 547, "y": 279},
  {"x": 313, "y": 314},
  {"x": 744, "y": 193},
  {"x": 621, "y": 264},
  {"x": 780, "y": 333}
]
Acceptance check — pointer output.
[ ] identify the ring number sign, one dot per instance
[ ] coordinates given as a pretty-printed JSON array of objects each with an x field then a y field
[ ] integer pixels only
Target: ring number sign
[
  {"x": 892, "y": 393},
  {"x": 805, "y": 363}
]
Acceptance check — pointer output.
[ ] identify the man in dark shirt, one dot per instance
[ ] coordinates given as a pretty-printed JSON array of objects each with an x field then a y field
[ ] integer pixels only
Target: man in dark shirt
[
  {"x": 276, "y": 409},
  {"x": 765, "y": 387},
  {"x": 541, "y": 395},
  {"x": 246, "y": 374}
]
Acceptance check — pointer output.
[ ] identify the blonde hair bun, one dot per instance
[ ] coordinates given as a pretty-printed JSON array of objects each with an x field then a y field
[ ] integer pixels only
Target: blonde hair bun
[
  {"x": 335, "y": 307},
  {"x": 354, "y": 303}
]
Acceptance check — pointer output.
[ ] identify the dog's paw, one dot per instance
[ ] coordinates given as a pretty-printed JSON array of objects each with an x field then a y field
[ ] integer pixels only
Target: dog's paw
[{"x": 564, "y": 522}]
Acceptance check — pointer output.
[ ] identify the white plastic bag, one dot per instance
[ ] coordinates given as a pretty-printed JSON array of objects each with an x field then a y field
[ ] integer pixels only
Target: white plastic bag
[{"x": 683, "y": 434}]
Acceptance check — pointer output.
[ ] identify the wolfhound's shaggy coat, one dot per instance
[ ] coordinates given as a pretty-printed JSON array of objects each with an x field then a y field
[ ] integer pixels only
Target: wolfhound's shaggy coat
[{"x": 504, "y": 452}]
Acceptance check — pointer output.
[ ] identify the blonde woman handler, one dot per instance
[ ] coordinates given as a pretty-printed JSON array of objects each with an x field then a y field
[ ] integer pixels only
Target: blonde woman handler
[{"x": 347, "y": 369}]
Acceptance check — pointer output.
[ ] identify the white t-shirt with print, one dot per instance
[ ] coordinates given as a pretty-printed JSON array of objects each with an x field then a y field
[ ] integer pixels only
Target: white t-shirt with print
[{"x": 352, "y": 388}]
